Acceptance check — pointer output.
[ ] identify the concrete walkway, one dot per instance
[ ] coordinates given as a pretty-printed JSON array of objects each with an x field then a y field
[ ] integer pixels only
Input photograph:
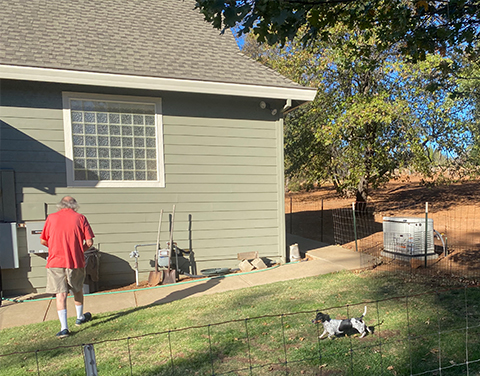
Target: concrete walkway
[{"x": 326, "y": 259}]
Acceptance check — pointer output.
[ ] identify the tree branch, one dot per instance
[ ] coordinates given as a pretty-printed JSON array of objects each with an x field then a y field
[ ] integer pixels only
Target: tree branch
[{"x": 320, "y": 2}]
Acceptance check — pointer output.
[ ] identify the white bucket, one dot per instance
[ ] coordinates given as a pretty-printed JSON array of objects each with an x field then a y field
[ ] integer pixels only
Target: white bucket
[{"x": 294, "y": 253}]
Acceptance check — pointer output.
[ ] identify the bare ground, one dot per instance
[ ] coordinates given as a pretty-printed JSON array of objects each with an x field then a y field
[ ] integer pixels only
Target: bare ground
[{"x": 454, "y": 208}]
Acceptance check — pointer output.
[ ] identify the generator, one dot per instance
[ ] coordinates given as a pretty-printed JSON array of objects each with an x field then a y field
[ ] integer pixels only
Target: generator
[{"x": 404, "y": 238}]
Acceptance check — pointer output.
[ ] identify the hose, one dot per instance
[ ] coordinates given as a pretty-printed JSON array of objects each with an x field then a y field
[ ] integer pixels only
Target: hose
[{"x": 439, "y": 236}]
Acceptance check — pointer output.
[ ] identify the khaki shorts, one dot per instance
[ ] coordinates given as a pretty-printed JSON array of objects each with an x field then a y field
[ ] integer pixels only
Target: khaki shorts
[{"x": 61, "y": 280}]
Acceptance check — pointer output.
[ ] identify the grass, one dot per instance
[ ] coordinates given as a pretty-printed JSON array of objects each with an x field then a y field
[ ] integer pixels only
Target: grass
[{"x": 267, "y": 330}]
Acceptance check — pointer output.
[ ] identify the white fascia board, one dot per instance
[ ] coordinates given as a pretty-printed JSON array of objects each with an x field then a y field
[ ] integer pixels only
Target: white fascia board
[{"x": 13, "y": 72}]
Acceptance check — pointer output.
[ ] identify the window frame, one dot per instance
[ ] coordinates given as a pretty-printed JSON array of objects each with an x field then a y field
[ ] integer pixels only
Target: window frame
[{"x": 67, "y": 97}]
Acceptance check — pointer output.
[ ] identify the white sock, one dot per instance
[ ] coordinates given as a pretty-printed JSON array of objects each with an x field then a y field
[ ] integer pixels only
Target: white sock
[
  {"x": 62, "y": 316},
  {"x": 79, "y": 309}
]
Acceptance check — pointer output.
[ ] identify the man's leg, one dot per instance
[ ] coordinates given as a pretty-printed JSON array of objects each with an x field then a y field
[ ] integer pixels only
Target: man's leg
[
  {"x": 57, "y": 284},
  {"x": 82, "y": 318},
  {"x": 78, "y": 299},
  {"x": 77, "y": 279},
  {"x": 61, "y": 299}
]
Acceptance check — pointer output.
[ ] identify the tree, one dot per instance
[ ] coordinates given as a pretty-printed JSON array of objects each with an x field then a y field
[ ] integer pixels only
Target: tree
[
  {"x": 422, "y": 26},
  {"x": 374, "y": 115},
  {"x": 469, "y": 78}
]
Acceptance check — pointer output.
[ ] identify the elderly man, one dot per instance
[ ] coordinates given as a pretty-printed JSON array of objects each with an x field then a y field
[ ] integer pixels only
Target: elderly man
[{"x": 67, "y": 234}]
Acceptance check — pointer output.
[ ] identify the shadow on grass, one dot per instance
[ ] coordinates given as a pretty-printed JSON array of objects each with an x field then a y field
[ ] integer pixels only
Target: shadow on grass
[{"x": 182, "y": 293}]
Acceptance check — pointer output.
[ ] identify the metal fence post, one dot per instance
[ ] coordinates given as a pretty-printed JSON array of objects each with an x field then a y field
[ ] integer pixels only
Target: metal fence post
[
  {"x": 426, "y": 234},
  {"x": 322, "y": 227},
  {"x": 355, "y": 227},
  {"x": 89, "y": 359},
  {"x": 291, "y": 215}
]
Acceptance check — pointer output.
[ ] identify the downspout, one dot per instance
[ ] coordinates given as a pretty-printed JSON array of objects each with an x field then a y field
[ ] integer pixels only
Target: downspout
[
  {"x": 281, "y": 193},
  {"x": 288, "y": 105}
]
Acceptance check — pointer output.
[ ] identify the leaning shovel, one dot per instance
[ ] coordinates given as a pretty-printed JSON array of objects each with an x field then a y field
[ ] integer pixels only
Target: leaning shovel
[
  {"x": 170, "y": 275},
  {"x": 155, "y": 277}
]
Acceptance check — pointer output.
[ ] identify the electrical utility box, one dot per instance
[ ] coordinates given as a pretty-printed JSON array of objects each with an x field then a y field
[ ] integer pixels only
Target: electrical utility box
[
  {"x": 404, "y": 238},
  {"x": 34, "y": 230},
  {"x": 8, "y": 246}
]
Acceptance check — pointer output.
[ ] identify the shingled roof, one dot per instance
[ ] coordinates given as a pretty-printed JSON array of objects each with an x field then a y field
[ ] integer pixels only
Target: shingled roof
[{"x": 145, "y": 38}]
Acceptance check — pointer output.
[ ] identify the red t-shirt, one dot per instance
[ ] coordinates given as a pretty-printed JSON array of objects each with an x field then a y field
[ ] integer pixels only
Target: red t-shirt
[{"x": 65, "y": 232}]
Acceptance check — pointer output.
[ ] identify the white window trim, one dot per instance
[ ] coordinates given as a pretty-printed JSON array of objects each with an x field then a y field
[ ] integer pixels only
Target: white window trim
[{"x": 67, "y": 124}]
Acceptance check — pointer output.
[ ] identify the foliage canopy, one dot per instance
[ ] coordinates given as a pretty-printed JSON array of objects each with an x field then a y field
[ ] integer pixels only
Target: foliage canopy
[
  {"x": 385, "y": 74},
  {"x": 422, "y": 26},
  {"x": 375, "y": 114}
]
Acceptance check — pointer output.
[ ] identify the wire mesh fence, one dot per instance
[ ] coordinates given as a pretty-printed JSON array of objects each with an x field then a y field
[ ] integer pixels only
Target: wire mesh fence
[
  {"x": 396, "y": 234},
  {"x": 435, "y": 333}
]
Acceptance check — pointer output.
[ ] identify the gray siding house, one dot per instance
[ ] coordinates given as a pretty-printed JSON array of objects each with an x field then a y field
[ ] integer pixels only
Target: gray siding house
[{"x": 132, "y": 107}]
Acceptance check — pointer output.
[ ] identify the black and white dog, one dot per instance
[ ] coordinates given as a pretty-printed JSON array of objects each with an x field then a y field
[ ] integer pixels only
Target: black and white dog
[{"x": 337, "y": 327}]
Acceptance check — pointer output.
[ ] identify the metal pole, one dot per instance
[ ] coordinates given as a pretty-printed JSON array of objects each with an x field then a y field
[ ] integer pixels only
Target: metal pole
[
  {"x": 321, "y": 233},
  {"x": 291, "y": 216},
  {"x": 191, "y": 257},
  {"x": 355, "y": 227},
  {"x": 90, "y": 362},
  {"x": 426, "y": 233}
]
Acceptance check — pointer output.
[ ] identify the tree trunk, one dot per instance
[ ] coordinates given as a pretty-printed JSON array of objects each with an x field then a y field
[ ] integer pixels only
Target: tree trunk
[{"x": 361, "y": 194}]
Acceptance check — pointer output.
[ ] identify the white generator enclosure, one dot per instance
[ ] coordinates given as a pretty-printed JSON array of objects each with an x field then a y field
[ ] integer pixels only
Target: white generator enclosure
[
  {"x": 404, "y": 238},
  {"x": 8, "y": 246}
]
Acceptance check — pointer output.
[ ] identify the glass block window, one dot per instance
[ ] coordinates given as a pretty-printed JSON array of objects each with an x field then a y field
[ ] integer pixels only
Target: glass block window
[{"x": 113, "y": 142}]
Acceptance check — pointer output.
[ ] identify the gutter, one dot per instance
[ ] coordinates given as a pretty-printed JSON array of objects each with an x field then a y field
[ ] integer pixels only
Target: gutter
[{"x": 13, "y": 72}]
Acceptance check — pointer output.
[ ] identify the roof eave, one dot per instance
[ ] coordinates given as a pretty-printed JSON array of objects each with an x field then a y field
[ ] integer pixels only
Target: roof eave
[{"x": 25, "y": 73}]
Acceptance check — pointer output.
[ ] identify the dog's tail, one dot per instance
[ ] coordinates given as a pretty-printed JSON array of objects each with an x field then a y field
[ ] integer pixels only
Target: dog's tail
[{"x": 364, "y": 313}]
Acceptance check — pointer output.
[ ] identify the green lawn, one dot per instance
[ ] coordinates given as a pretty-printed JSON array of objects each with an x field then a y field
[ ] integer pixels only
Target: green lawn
[{"x": 267, "y": 330}]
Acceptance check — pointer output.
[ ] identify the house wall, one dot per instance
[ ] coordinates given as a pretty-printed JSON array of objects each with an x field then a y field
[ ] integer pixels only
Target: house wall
[{"x": 223, "y": 168}]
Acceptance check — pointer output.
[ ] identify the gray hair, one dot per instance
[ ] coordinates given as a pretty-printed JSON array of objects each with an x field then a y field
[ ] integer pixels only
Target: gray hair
[{"x": 68, "y": 203}]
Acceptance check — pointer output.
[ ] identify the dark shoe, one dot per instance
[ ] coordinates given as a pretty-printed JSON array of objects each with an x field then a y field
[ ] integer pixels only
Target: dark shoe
[
  {"x": 64, "y": 333},
  {"x": 87, "y": 316}
]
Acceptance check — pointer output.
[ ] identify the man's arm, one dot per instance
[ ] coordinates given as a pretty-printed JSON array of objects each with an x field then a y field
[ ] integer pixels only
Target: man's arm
[{"x": 44, "y": 242}]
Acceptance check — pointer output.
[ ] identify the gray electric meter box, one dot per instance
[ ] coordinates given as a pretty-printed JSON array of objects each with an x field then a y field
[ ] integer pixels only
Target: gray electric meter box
[
  {"x": 8, "y": 246},
  {"x": 34, "y": 230}
]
